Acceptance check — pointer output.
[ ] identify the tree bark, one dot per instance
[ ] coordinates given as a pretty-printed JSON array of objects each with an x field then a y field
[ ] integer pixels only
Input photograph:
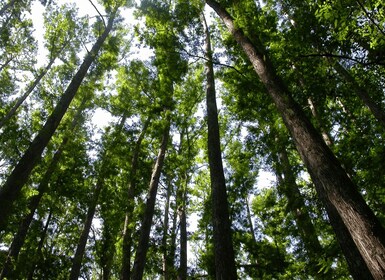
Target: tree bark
[
  {"x": 223, "y": 246},
  {"x": 81, "y": 247},
  {"x": 349, "y": 214},
  {"x": 140, "y": 257},
  {"x": 20, "y": 174},
  {"x": 127, "y": 231}
]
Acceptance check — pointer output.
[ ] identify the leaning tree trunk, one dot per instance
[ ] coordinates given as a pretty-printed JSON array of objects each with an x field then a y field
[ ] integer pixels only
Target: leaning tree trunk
[
  {"x": 21, "y": 234},
  {"x": 223, "y": 246},
  {"x": 37, "y": 262},
  {"x": 22, "y": 98},
  {"x": 144, "y": 238},
  {"x": 127, "y": 231},
  {"x": 19, "y": 176},
  {"x": 81, "y": 247},
  {"x": 350, "y": 216},
  {"x": 361, "y": 92}
]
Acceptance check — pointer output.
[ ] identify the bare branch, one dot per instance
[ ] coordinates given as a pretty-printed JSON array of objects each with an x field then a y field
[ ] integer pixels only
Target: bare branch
[{"x": 104, "y": 22}]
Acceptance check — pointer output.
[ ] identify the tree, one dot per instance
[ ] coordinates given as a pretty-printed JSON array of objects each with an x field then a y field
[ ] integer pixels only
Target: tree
[
  {"x": 12, "y": 187},
  {"x": 348, "y": 213},
  {"x": 224, "y": 253}
]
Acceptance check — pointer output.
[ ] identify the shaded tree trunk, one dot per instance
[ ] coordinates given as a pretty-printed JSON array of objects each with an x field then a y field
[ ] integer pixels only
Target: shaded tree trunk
[
  {"x": 81, "y": 247},
  {"x": 182, "y": 272},
  {"x": 20, "y": 174},
  {"x": 22, "y": 98},
  {"x": 127, "y": 231},
  {"x": 21, "y": 234},
  {"x": 140, "y": 256},
  {"x": 223, "y": 246},
  {"x": 350, "y": 216},
  {"x": 376, "y": 110},
  {"x": 39, "y": 252},
  {"x": 165, "y": 256}
]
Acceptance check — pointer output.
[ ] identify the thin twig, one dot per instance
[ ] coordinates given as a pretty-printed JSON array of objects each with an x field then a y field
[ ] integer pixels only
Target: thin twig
[{"x": 104, "y": 22}]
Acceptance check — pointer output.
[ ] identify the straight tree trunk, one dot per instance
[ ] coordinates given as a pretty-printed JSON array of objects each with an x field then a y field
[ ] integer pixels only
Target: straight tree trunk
[
  {"x": 350, "y": 216},
  {"x": 361, "y": 92},
  {"x": 127, "y": 231},
  {"x": 22, "y": 98},
  {"x": 20, "y": 174},
  {"x": 141, "y": 252},
  {"x": 18, "y": 240},
  {"x": 182, "y": 273},
  {"x": 165, "y": 257},
  {"x": 81, "y": 247},
  {"x": 223, "y": 246}
]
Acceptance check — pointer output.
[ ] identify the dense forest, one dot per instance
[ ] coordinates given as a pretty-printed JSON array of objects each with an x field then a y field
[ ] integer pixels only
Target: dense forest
[{"x": 201, "y": 99}]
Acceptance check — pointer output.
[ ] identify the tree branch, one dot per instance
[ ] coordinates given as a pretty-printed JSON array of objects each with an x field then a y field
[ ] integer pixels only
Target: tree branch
[
  {"x": 104, "y": 22},
  {"x": 378, "y": 62}
]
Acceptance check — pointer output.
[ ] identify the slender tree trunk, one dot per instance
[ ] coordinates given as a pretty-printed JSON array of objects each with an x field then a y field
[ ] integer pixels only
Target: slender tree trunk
[
  {"x": 140, "y": 257},
  {"x": 223, "y": 246},
  {"x": 19, "y": 238},
  {"x": 81, "y": 247},
  {"x": 22, "y": 98},
  {"x": 165, "y": 257},
  {"x": 376, "y": 110},
  {"x": 108, "y": 250},
  {"x": 40, "y": 247},
  {"x": 350, "y": 216},
  {"x": 19, "y": 176},
  {"x": 182, "y": 273},
  {"x": 127, "y": 231},
  {"x": 290, "y": 189}
]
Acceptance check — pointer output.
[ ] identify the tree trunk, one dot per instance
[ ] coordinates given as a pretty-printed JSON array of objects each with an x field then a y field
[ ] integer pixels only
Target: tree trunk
[
  {"x": 165, "y": 257},
  {"x": 19, "y": 176},
  {"x": 376, "y": 110},
  {"x": 40, "y": 247},
  {"x": 349, "y": 214},
  {"x": 18, "y": 103},
  {"x": 182, "y": 273},
  {"x": 223, "y": 246},
  {"x": 140, "y": 257},
  {"x": 81, "y": 247},
  {"x": 127, "y": 231},
  {"x": 21, "y": 234}
]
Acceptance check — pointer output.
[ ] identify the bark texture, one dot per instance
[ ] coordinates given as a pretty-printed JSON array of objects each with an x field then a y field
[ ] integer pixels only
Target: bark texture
[
  {"x": 20, "y": 174},
  {"x": 140, "y": 257},
  {"x": 223, "y": 246},
  {"x": 349, "y": 214}
]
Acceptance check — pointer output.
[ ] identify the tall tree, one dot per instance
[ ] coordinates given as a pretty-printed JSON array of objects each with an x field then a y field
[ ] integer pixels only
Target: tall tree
[
  {"x": 224, "y": 252},
  {"x": 12, "y": 187},
  {"x": 352, "y": 219},
  {"x": 140, "y": 256}
]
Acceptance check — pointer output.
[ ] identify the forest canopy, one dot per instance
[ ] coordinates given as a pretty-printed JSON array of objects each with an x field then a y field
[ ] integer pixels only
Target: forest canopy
[{"x": 181, "y": 139}]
